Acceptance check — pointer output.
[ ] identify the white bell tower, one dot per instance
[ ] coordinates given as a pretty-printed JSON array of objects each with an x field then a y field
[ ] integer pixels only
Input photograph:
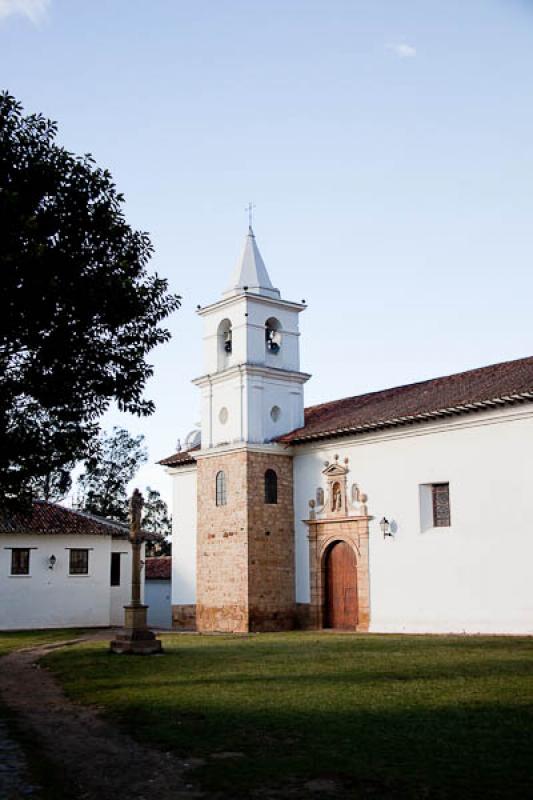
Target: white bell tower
[{"x": 252, "y": 387}]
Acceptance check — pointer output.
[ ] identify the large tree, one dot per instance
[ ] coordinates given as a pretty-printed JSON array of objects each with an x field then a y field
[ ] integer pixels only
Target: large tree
[
  {"x": 113, "y": 463},
  {"x": 80, "y": 312}
]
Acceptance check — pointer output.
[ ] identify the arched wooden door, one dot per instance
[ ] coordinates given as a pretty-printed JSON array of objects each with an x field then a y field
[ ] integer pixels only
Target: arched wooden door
[{"x": 341, "y": 587}]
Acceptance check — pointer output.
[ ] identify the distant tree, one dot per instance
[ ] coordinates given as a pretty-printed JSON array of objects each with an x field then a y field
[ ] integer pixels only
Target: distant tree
[
  {"x": 156, "y": 519},
  {"x": 80, "y": 312},
  {"x": 108, "y": 470},
  {"x": 55, "y": 483},
  {"x": 53, "y": 486}
]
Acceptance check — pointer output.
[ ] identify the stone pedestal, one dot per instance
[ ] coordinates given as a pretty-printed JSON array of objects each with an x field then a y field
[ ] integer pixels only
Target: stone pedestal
[{"x": 136, "y": 638}]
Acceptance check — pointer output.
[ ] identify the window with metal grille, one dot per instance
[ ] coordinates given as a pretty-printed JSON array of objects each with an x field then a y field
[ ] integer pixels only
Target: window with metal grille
[
  {"x": 79, "y": 562},
  {"x": 441, "y": 504},
  {"x": 271, "y": 487},
  {"x": 115, "y": 569},
  {"x": 20, "y": 561},
  {"x": 221, "y": 492}
]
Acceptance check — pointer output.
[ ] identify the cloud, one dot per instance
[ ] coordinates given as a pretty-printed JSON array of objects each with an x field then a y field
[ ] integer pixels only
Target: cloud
[
  {"x": 34, "y": 10},
  {"x": 402, "y": 50}
]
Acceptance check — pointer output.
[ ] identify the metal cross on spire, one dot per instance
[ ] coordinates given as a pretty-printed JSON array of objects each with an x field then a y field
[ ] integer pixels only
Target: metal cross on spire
[{"x": 250, "y": 209}]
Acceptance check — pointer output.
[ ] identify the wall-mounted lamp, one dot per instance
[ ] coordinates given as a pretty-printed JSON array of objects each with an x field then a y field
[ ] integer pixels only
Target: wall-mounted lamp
[
  {"x": 52, "y": 562},
  {"x": 385, "y": 527}
]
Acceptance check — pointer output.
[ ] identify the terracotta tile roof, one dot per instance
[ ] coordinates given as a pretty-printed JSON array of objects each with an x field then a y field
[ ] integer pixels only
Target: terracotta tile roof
[
  {"x": 158, "y": 568},
  {"x": 486, "y": 387},
  {"x": 178, "y": 459},
  {"x": 50, "y": 518}
]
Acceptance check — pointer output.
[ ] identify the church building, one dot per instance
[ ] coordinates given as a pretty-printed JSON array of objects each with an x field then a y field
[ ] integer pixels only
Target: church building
[{"x": 403, "y": 510}]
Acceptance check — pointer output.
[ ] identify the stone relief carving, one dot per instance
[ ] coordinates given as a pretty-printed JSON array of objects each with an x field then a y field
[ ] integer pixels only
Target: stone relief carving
[{"x": 335, "y": 501}]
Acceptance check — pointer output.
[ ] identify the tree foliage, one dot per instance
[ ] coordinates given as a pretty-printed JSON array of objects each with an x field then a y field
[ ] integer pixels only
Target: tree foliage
[
  {"x": 80, "y": 312},
  {"x": 156, "y": 519},
  {"x": 54, "y": 486},
  {"x": 113, "y": 463}
]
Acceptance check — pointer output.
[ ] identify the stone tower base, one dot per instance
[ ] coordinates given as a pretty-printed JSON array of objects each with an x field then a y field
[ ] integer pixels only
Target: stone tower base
[{"x": 245, "y": 545}]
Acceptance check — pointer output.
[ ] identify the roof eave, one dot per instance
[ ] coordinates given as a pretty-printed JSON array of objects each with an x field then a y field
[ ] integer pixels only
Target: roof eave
[{"x": 465, "y": 408}]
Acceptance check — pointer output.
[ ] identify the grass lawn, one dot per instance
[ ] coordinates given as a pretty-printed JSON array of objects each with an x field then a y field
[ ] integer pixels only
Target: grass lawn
[
  {"x": 380, "y": 716},
  {"x": 18, "y": 639}
]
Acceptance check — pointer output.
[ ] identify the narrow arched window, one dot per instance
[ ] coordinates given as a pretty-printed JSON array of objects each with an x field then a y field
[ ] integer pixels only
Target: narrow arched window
[
  {"x": 271, "y": 487},
  {"x": 221, "y": 493},
  {"x": 273, "y": 336},
  {"x": 225, "y": 343}
]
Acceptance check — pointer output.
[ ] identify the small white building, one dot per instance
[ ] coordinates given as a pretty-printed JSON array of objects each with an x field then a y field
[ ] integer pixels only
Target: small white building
[
  {"x": 61, "y": 568},
  {"x": 407, "y": 509}
]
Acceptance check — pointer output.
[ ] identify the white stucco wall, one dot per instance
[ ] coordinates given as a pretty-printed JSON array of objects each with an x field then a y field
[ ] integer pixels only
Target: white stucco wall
[
  {"x": 121, "y": 595},
  {"x": 240, "y": 389},
  {"x": 475, "y": 576},
  {"x": 184, "y": 535},
  {"x": 51, "y": 598},
  {"x": 248, "y": 315}
]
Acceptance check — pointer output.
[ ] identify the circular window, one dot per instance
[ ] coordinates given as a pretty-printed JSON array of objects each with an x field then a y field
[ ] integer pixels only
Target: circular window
[
  {"x": 275, "y": 413},
  {"x": 223, "y": 415}
]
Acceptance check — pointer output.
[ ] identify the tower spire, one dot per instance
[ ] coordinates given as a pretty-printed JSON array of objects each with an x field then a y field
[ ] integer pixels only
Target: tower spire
[{"x": 250, "y": 274}]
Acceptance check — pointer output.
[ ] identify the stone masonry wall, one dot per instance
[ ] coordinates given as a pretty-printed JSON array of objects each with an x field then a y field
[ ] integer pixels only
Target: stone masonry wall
[
  {"x": 245, "y": 554},
  {"x": 184, "y": 617},
  {"x": 271, "y": 545},
  {"x": 222, "y": 546}
]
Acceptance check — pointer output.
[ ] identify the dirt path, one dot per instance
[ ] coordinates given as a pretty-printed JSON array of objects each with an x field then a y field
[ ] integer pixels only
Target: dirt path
[
  {"x": 15, "y": 780},
  {"x": 98, "y": 761}
]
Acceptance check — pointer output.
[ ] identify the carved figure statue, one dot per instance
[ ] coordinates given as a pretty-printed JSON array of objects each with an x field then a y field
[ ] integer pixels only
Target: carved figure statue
[
  {"x": 335, "y": 493},
  {"x": 136, "y": 507},
  {"x": 355, "y": 493},
  {"x": 320, "y": 496},
  {"x": 336, "y": 504}
]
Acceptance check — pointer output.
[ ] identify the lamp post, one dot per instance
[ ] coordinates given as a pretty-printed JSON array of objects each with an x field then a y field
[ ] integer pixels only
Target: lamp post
[
  {"x": 136, "y": 637},
  {"x": 385, "y": 527}
]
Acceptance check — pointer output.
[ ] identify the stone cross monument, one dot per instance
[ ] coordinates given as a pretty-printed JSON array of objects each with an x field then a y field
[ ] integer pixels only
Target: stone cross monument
[{"x": 136, "y": 637}]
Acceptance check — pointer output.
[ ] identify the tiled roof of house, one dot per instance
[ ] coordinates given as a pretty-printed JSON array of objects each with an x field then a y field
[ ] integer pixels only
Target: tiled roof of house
[
  {"x": 158, "y": 568},
  {"x": 50, "y": 518},
  {"x": 483, "y": 388},
  {"x": 181, "y": 458}
]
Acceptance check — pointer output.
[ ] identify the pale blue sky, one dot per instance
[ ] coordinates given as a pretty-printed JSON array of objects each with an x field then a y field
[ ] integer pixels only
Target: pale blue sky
[{"x": 387, "y": 145}]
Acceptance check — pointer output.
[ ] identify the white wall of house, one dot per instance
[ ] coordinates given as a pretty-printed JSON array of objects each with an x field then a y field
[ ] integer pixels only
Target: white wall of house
[
  {"x": 157, "y": 596},
  {"x": 184, "y": 512},
  {"x": 119, "y": 596},
  {"x": 51, "y": 598},
  {"x": 476, "y": 575}
]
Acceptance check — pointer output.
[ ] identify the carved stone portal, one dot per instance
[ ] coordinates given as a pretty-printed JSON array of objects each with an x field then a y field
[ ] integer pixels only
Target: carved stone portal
[{"x": 337, "y": 515}]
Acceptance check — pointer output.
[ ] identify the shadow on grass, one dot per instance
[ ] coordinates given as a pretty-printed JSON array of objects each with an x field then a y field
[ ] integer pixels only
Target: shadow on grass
[
  {"x": 427, "y": 717},
  {"x": 481, "y": 752}
]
